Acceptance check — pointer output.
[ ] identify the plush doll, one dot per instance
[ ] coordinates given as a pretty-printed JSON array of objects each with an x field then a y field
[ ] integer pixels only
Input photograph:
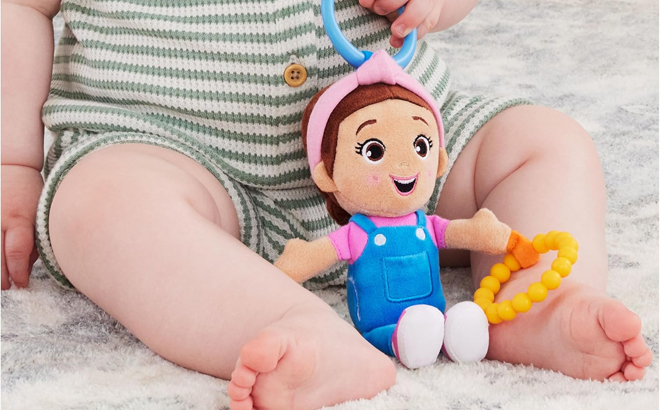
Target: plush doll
[{"x": 375, "y": 145}]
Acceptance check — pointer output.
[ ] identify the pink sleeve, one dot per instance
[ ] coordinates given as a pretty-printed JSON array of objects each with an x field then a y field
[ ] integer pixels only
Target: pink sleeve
[
  {"x": 439, "y": 226},
  {"x": 339, "y": 239}
]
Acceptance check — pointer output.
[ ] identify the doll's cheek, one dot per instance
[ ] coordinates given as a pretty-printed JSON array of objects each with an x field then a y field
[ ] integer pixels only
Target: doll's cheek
[
  {"x": 430, "y": 173},
  {"x": 373, "y": 179}
]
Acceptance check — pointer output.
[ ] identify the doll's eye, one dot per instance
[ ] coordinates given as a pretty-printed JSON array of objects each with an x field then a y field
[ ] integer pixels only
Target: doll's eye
[
  {"x": 422, "y": 145},
  {"x": 372, "y": 150}
]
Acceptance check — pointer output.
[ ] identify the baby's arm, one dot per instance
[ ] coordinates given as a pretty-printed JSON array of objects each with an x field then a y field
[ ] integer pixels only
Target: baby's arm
[
  {"x": 424, "y": 15},
  {"x": 484, "y": 233},
  {"x": 302, "y": 260},
  {"x": 27, "y": 58}
]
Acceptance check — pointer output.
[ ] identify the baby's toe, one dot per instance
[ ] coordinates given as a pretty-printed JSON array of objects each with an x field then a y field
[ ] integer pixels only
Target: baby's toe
[
  {"x": 262, "y": 353},
  {"x": 242, "y": 376},
  {"x": 635, "y": 347},
  {"x": 619, "y": 323},
  {"x": 632, "y": 372},
  {"x": 236, "y": 392},
  {"x": 616, "y": 377},
  {"x": 241, "y": 404},
  {"x": 643, "y": 360}
]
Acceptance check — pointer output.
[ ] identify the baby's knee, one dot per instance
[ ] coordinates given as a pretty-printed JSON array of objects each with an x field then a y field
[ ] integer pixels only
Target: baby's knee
[
  {"x": 559, "y": 134},
  {"x": 535, "y": 132},
  {"x": 119, "y": 186}
]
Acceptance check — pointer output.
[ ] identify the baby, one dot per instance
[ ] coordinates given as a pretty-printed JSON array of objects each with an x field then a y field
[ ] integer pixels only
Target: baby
[{"x": 178, "y": 175}]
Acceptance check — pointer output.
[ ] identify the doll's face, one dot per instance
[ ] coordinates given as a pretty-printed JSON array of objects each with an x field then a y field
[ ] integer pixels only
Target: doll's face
[{"x": 387, "y": 159}]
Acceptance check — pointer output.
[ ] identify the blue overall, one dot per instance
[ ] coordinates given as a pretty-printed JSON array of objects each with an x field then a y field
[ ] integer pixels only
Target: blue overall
[{"x": 398, "y": 268}]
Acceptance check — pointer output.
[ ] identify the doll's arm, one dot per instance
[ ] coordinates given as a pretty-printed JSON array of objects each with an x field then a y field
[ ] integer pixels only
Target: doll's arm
[
  {"x": 484, "y": 233},
  {"x": 302, "y": 260}
]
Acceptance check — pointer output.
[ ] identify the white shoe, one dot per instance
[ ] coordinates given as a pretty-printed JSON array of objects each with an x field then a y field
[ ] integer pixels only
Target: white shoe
[
  {"x": 418, "y": 336},
  {"x": 466, "y": 333}
]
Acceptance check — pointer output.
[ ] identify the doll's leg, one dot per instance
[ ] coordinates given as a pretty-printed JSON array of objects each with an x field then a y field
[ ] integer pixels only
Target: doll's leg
[
  {"x": 466, "y": 333},
  {"x": 150, "y": 236},
  {"x": 416, "y": 339},
  {"x": 538, "y": 170},
  {"x": 381, "y": 338}
]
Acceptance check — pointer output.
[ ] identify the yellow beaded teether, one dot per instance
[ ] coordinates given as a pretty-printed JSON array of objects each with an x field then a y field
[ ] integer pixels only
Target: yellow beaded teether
[{"x": 506, "y": 310}]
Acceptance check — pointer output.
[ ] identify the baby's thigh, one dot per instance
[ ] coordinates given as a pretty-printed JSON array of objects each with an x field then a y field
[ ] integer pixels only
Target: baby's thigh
[{"x": 118, "y": 188}]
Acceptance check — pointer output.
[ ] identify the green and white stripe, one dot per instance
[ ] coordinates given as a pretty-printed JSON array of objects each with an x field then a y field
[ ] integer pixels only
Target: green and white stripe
[{"x": 205, "y": 78}]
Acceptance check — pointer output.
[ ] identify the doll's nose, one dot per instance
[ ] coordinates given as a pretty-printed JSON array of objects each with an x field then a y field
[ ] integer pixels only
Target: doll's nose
[{"x": 404, "y": 164}]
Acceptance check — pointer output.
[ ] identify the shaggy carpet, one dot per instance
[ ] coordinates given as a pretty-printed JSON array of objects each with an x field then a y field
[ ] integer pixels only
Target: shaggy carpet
[{"x": 595, "y": 60}]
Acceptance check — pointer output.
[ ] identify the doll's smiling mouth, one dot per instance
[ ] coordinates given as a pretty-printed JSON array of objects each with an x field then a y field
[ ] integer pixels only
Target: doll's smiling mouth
[{"x": 405, "y": 186}]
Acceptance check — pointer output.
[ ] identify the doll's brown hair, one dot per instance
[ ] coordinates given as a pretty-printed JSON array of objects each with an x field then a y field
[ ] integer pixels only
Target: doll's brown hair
[{"x": 359, "y": 98}]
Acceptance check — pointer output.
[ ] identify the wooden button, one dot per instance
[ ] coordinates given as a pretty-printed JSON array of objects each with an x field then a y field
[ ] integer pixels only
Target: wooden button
[{"x": 295, "y": 75}]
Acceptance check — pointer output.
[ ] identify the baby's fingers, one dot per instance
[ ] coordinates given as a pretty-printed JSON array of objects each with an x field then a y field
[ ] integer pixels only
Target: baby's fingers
[
  {"x": 427, "y": 25},
  {"x": 383, "y": 7},
  {"x": 415, "y": 13},
  {"x": 18, "y": 246},
  {"x": 422, "y": 15}
]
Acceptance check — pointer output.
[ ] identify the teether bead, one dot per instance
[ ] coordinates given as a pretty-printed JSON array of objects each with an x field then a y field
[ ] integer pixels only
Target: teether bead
[
  {"x": 511, "y": 263},
  {"x": 539, "y": 243},
  {"x": 500, "y": 272},
  {"x": 537, "y": 292},
  {"x": 560, "y": 237},
  {"x": 483, "y": 303},
  {"x": 491, "y": 314},
  {"x": 567, "y": 243},
  {"x": 551, "y": 279},
  {"x": 521, "y": 303},
  {"x": 505, "y": 310},
  {"x": 562, "y": 266},
  {"x": 550, "y": 239},
  {"x": 568, "y": 253},
  {"x": 491, "y": 283},
  {"x": 484, "y": 293}
]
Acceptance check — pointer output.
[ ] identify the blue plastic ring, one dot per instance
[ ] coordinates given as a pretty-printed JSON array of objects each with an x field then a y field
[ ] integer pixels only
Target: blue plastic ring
[{"x": 350, "y": 53}]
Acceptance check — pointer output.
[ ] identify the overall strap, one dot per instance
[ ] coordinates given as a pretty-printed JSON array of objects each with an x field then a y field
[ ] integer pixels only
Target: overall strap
[
  {"x": 364, "y": 223},
  {"x": 421, "y": 218}
]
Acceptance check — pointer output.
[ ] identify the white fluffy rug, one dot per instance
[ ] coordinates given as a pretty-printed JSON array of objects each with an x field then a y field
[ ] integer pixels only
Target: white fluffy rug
[{"x": 595, "y": 60}]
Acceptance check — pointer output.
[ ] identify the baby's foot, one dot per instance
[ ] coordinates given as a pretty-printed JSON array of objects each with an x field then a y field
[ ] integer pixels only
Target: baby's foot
[
  {"x": 577, "y": 330},
  {"x": 305, "y": 361}
]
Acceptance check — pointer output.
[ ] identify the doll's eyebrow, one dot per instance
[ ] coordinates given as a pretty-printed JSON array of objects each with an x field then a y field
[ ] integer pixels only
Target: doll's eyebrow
[
  {"x": 421, "y": 119},
  {"x": 364, "y": 124}
]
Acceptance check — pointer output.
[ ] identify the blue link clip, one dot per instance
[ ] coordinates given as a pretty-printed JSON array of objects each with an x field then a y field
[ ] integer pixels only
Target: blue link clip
[{"x": 349, "y": 52}]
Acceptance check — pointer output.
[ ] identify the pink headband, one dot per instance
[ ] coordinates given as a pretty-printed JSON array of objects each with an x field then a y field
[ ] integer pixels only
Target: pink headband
[{"x": 380, "y": 68}]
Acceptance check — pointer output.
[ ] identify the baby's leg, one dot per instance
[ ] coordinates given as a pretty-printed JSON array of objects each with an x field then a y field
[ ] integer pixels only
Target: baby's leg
[
  {"x": 538, "y": 171},
  {"x": 151, "y": 237}
]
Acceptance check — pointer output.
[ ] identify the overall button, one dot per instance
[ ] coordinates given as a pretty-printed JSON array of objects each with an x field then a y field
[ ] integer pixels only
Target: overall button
[
  {"x": 420, "y": 234},
  {"x": 295, "y": 75},
  {"x": 380, "y": 239}
]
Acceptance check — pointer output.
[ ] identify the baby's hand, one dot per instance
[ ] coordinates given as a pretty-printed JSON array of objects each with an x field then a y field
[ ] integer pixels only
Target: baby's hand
[
  {"x": 21, "y": 187},
  {"x": 420, "y": 14}
]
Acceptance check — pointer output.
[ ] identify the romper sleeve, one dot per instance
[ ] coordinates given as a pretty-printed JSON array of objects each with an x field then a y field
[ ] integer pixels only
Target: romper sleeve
[
  {"x": 440, "y": 227},
  {"x": 339, "y": 239}
]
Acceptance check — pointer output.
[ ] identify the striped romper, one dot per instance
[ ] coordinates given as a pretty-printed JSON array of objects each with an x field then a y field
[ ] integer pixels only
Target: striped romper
[{"x": 205, "y": 78}]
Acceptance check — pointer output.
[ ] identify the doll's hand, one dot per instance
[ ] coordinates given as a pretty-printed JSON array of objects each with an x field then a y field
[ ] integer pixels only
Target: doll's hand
[
  {"x": 420, "y": 14},
  {"x": 290, "y": 262},
  {"x": 302, "y": 260},
  {"x": 481, "y": 233},
  {"x": 522, "y": 250}
]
